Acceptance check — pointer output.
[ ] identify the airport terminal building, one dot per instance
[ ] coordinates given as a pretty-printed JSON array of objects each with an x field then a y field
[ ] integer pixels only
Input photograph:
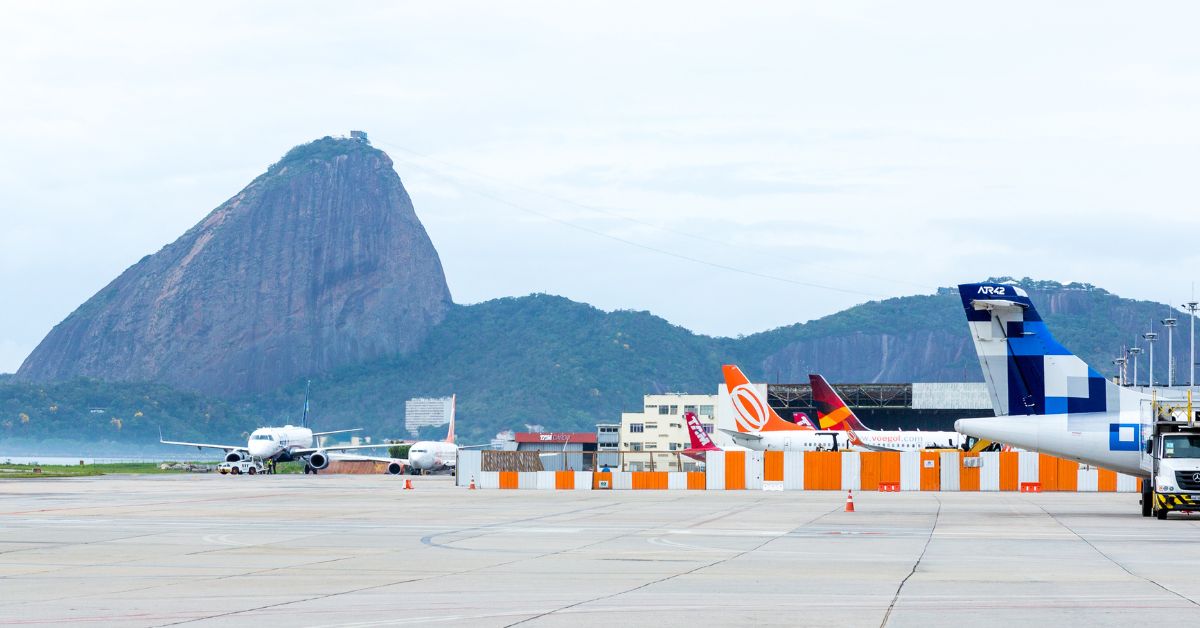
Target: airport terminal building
[{"x": 915, "y": 406}]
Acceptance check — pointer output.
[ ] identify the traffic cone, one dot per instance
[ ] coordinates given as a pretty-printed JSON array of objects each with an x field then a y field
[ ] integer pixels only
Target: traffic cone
[
  {"x": 408, "y": 485},
  {"x": 472, "y": 486},
  {"x": 849, "y": 501}
]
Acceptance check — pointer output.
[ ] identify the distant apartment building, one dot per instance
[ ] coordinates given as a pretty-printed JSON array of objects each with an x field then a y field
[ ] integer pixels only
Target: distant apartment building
[
  {"x": 424, "y": 411},
  {"x": 651, "y": 437}
]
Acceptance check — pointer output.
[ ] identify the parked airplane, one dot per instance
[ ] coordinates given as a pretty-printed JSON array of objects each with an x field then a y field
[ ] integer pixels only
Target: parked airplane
[
  {"x": 432, "y": 456},
  {"x": 288, "y": 443},
  {"x": 701, "y": 442},
  {"x": 1046, "y": 398},
  {"x": 760, "y": 428},
  {"x": 834, "y": 414}
]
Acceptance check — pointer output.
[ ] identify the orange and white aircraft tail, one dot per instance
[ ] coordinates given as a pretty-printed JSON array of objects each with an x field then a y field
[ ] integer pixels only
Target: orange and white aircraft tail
[
  {"x": 752, "y": 413},
  {"x": 832, "y": 412},
  {"x": 453, "y": 411}
]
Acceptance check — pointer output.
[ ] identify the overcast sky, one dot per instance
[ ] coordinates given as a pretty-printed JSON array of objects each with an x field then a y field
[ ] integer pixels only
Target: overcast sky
[{"x": 835, "y": 152}]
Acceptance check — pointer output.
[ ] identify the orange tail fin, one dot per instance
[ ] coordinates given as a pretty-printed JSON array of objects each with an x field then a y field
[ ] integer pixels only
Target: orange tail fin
[
  {"x": 752, "y": 413},
  {"x": 453, "y": 408}
]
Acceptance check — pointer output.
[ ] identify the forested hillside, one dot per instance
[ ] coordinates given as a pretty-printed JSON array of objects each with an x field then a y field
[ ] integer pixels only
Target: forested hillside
[{"x": 547, "y": 360}]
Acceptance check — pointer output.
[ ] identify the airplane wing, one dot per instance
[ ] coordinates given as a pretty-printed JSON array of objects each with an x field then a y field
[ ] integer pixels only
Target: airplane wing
[
  {"x": 202, "y": 445},
  {"x": 348, "y": 457},
  {"x": 357, "y": 429},
  {"x": 310, "y": 450},
  {"x": 741, "y": 435}
]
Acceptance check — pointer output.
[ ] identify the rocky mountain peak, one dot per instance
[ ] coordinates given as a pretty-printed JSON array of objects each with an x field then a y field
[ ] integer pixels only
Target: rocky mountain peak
[{"x": 318, "y": 263}]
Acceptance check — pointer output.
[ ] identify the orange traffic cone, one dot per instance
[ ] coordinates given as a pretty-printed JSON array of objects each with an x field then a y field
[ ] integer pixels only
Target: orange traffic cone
[
  {"x": 472, "y": 486},
  {"x": 408, "y": 485},
  {"x": 849, "y": 501}
]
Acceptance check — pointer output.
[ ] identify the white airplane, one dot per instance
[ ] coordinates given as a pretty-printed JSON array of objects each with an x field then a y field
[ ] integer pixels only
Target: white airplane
[
  {"x": 1046, "y": 398},
  {"x": 758, "y": 427},
  {"x": 291, "y": 442},
  {"x": 432, "y": 456},
  {"x": 834, "y": 414}
]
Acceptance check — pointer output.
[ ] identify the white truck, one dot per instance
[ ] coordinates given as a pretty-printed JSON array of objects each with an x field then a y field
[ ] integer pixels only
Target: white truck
[
  {"x": 1172, "y": 456},
  {"x": 252, "y": 466}
]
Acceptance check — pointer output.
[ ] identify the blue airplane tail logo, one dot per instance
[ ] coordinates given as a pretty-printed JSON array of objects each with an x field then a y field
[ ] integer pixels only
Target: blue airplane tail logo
[{"x": 1027, "y": 370}]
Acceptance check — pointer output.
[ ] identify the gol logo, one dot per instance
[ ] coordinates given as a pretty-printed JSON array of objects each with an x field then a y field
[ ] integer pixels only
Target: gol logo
[{"x": 752, "y": 413}]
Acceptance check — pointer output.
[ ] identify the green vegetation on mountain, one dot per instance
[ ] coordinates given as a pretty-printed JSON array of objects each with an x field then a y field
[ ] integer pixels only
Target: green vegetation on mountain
[
  {"x": 113, "y": 413},
  {"x": 547, "y": 360}
]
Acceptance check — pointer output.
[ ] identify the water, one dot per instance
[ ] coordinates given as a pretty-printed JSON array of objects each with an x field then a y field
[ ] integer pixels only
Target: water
[{"x": 74, "y": 460}]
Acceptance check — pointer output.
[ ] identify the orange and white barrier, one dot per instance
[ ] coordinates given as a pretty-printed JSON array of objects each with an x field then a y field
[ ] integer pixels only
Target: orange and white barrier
[{"x": 831, "y": 471}]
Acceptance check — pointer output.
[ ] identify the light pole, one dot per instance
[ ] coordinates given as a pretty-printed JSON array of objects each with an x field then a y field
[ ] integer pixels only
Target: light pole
[
  {"x": 1150, "y": 337},
  {"x": 1120, "y": 362},
  {"x": 1134, "y": 351},
  {"x": 1191, "y": 308},
  {"x": 1169, "y": 323}
]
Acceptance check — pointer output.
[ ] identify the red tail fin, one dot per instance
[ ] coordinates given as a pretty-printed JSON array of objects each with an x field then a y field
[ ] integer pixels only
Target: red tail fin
[
  {"x": 700, "y": 439},
  {"x": 751, "y": 411},
  {"x": 801, "y": 419},
  {"x": 832, "y": 412}
]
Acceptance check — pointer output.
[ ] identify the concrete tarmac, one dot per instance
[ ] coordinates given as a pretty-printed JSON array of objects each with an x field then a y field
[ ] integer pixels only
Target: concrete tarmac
[{"x": 359, "y": 551}]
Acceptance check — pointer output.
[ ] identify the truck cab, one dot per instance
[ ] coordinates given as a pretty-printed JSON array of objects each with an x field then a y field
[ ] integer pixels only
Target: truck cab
[{"x": 1172, "y": 455}]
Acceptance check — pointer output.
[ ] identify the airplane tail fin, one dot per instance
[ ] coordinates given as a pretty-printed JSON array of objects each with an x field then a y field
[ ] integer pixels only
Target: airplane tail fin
[
  {"x": 832, "y": 412},
  {"x": 801, "y": 419},
  {"x": 304, "y": 419},
  {"x": 1027, "y": 371},
  {"x": 453, "y": 408},
  {"x": 701, "y": 441},
  {"x": 752, "y": 413}
]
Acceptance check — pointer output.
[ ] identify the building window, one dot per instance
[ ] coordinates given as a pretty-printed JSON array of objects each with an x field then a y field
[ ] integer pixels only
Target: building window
[
  {"x": 652, "y": 426},
  {"x": 664, "y": 409},
  {"x": 635, "y": 446},
  {"x": 651, "y": 408},
  {"x": 706, "y": 410},
  {"x": 636, "y": 428},
  {"x": 708, "y": 428},
  {"x": 676, "y": 425},
  {"x": 674, "y": 410},
  {"x": 649, "y": 446},
  {"x": 674, "y": 446},
  {"x": 689, "y": 409}
]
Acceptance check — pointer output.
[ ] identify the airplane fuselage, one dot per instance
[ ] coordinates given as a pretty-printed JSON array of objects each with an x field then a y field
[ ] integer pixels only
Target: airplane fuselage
[
  {"x": 789, "y": 441},
  {"x": 1083, "y": 437},
  {"x": 433, "y": 455},
  {"x": 278, "y": 442},
  {"x": 898, "y": 440}
]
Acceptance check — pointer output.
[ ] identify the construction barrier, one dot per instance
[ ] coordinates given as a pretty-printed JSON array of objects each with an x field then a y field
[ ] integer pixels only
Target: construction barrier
[{"x": 933, "y": 470}]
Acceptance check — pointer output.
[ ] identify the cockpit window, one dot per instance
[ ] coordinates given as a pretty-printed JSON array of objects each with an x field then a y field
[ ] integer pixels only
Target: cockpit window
[{"x": 1181, "y": 446}]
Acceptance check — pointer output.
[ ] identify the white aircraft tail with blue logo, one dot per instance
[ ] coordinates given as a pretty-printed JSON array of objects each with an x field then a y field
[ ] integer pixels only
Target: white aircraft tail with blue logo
[{"x": 1045, "y": 397}]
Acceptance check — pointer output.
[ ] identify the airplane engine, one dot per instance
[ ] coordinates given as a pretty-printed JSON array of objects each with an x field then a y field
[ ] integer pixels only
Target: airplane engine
[
  {"x": 395, "y": 468},
  {"x": 318, "y": 460},
  {"x": 233, "y": 456}
]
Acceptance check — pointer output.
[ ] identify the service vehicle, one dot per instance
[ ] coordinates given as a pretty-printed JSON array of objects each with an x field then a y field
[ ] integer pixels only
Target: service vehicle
[
  {"x": 249, "y": 466},
  {"x": 1172, "y": 457}
]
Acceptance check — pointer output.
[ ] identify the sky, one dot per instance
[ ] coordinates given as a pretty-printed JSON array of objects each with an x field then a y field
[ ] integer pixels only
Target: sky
[{"x": 731, "y": 167}]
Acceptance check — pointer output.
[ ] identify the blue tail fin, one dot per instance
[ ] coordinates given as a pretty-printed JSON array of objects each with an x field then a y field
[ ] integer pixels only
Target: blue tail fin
[{"x": 1026, "y": 369}]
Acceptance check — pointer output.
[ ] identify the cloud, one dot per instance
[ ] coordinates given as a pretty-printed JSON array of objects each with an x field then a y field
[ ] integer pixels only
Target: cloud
[{"x": 871, "y": 146}]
